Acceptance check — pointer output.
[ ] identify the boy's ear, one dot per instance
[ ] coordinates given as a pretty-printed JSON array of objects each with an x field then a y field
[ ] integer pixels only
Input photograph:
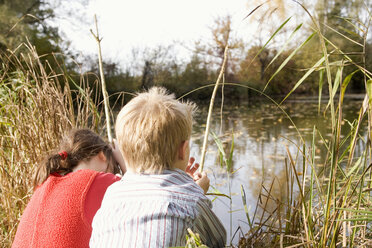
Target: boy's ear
[{"x": 182, "y": 149}]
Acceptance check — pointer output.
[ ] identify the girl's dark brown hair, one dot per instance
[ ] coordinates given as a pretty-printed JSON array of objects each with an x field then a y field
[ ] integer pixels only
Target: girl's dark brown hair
[{"x": 80, "y": 145}]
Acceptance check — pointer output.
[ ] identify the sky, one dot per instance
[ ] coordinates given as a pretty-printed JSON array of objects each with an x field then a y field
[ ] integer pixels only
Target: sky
[
  {"x": 128, "y": 24},
  {"x": 125, "y": 24}
]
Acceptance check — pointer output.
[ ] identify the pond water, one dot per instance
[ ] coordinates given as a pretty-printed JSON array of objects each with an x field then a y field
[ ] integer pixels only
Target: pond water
[{"x": 262, "y": 134}]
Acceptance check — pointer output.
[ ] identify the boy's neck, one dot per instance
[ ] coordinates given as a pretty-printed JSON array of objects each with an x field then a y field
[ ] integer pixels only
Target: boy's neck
[{"x": 178, "y": 165}]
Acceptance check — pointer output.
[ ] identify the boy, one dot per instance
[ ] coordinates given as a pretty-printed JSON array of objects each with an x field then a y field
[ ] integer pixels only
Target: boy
[{"x": 156, "y": 201}]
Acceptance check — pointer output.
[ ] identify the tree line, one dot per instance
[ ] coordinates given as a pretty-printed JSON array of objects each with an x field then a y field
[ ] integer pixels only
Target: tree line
[{"x": 251, "y": 64}]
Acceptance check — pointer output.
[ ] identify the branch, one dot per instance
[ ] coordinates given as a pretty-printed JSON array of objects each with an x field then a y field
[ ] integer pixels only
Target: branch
[{"x": 104, "y": 91}]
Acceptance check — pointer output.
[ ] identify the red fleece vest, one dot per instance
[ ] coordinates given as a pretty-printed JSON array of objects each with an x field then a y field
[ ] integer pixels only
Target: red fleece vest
[{"x": 55, "y": 217}]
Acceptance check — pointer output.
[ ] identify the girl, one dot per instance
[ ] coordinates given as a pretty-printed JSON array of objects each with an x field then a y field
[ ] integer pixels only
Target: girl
[{"x": 69, "y": 187}]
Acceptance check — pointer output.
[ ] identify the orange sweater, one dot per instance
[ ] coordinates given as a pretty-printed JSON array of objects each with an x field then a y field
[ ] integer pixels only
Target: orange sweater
[{"x": 55, "y": 215}]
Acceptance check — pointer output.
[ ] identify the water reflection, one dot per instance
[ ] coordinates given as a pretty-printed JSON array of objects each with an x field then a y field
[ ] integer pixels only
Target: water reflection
[{"x": 262, "y": 137}]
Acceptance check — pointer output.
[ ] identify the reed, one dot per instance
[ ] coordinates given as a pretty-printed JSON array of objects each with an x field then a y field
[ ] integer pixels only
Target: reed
[
  {"x": 210, "y": 110},
  {"x": 331, "y": 207},
  {"x": 103, "y": 82},
  {"x": 321, "y": 208}
]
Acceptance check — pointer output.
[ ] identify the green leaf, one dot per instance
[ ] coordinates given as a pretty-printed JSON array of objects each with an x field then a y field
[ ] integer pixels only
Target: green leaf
[
  {"x": 321, "y": 81},
  {"x": 344, "y": 36},
  {"x": 284, "y": 46},
  {"x": 335, "y": 85},
  {"x": 356, "y": 210},
  {"x": 267, "y": 42},
  {"x": 288, "y": 59},
  {"x": 345, "y": 83},
  {"x": 219, "y": 194},
  {"x": 317, "y": 64},
  {"x": 229, "y": 160},
  {"x": 5, "y": 123},
  {"x": 337, "y": 81},
  {"x": 233, "y": 172},
  {"x": 221, "y": 158},
  {"x": 356, "y": 166},
  {"x": 369, "y": 91},
  {"x": 219, "y": 145},
  {"x": 216, "y": 192},
  {"x": 83, "y": 93},
  {"x": 365, "y": 218},
  {"x": 244, "y": 197},
  {"x": 348, "y": 20}
]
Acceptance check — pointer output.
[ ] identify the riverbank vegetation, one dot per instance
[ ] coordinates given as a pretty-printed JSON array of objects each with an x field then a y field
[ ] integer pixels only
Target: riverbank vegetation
[
  {"x": 41, "y": 96},
  {"x": 330, "y": 207}
]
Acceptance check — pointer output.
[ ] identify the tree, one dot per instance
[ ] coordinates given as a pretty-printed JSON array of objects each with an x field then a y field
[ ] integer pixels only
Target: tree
[
  {"x": 213, "y": 50},
  {"x": 147, "y": 76},
  {"x": 345, "y": 24},
  {"x": 21, "y": 20}
]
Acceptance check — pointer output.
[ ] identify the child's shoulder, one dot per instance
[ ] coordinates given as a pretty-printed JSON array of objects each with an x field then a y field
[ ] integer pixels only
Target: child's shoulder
[{"x": 169, "y": 183}]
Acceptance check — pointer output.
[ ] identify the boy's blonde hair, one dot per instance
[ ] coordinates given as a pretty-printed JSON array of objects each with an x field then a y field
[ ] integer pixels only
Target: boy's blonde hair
[{"x": 150, "y": 129}]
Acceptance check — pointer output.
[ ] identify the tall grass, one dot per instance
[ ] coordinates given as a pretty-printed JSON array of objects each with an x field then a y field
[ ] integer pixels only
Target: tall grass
[
  {"x": 37, "y": 106},
  {"x": 331, "y": 207}
]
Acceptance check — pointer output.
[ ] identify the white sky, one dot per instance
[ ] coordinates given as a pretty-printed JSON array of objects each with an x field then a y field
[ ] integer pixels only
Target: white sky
[
  {"x": 125, "y": 24},
  {"x": 128, "y": 24}
]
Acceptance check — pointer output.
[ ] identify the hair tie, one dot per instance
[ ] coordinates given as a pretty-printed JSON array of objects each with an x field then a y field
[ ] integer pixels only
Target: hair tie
[{"x": 63, "y": 155}]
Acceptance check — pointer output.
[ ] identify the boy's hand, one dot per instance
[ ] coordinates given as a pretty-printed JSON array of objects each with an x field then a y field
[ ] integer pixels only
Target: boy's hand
[
  {"x": 118, "y": 156},
  {"x": 200, "y": 179},
  {"x": 190, "y": 169}
]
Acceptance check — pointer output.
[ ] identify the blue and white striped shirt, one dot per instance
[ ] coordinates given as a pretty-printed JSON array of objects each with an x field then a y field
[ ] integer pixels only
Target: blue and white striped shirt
[{"x": 155, "y": 210}]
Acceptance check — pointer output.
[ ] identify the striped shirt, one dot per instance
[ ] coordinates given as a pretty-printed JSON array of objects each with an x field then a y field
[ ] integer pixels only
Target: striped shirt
[{"x": 155, "y": 210}]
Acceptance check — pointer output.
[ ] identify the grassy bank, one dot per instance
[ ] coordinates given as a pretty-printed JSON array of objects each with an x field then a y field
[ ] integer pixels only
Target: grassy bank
[{"x": 37, "y": 106}]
